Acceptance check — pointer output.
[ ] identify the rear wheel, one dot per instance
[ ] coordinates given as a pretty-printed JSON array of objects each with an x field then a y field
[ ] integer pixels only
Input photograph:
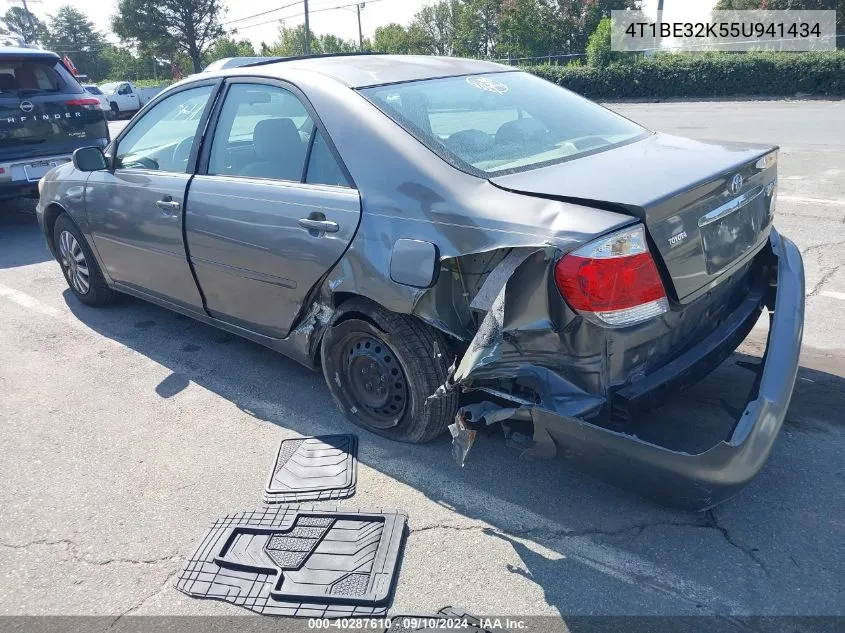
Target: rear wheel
[
  {"x": 382, "y": 370},
  {"x": 115, "y": 111},
  {"x": 78, "y": 264}
]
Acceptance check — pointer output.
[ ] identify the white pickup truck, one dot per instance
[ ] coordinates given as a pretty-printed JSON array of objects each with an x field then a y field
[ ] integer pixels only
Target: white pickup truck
[{"x": 124, "y": 97}]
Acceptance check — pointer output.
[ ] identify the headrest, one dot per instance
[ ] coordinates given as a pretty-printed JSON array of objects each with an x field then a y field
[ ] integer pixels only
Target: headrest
[
  {"x": 8, "y": 82},
  {"x": 520, "y": 131},
  {"x": 275, "y": 138}
]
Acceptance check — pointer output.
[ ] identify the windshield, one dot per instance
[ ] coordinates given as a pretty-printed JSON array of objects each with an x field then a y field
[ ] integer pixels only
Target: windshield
[
  {"x": 93, "y": 90},
  {"x": 110, "y": 87},
  {"x": 501, "y": 122},
  {"x": 23, "y": 76}
]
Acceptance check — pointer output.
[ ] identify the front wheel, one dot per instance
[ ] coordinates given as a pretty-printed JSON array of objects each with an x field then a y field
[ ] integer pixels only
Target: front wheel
[
  {"x": 381, "y": 372},
  {"x": 78, "y": 264}
]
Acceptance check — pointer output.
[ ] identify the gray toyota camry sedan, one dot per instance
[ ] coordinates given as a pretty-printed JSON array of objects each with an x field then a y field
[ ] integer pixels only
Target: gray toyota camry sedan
[{"x": 455, "y": 243}]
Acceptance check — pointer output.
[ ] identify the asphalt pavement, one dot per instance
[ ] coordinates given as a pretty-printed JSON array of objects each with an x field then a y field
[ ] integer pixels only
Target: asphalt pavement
[{"x": 128, "y": 430}]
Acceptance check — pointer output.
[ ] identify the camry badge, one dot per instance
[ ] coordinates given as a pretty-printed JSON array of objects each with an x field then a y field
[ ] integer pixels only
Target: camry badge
[
  {"x": 26, "y": 106},
  {"x": 736, "y": 184},
  {"x": 677, "y": 239}
]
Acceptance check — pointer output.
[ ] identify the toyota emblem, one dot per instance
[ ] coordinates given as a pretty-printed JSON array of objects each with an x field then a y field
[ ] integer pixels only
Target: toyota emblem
[
  {"x": 26, "y": 106},
  {"x": 736, "y": 184}
]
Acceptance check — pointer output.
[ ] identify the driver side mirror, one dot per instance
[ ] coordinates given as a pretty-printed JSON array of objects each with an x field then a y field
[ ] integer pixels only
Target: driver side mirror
[{"x": 90, "y": 159}]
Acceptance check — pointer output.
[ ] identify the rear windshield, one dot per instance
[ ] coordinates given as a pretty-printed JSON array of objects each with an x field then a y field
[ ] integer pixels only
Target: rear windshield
[
  {"x": 29, "y": 77},
  {"x": 110, "y": 87},
  {"x": 93, "y": 90},
  {"x": 500, "y": 123}
]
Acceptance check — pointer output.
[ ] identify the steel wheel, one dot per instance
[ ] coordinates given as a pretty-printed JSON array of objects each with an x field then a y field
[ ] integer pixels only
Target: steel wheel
[
  {"x": 73, "y": 262},
  {"x": 374, "y": 380}
]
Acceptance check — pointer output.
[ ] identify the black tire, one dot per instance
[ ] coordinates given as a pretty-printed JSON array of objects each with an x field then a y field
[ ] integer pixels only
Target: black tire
[
  {"x": 411, "y": 355},
  {"x": 91, "y": 289},
  {"x": 115, "y": 111}
]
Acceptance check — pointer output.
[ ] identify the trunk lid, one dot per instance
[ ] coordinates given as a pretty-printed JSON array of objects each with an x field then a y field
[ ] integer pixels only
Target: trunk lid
[
  {"x": 40, "y": 113},
  {"x": 705, "y": 205}
]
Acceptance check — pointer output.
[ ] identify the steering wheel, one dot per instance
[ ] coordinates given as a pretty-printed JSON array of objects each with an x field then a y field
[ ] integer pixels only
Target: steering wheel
[
  {"x": 140, "y": 162},
  {"x": 182, "y": 152}
]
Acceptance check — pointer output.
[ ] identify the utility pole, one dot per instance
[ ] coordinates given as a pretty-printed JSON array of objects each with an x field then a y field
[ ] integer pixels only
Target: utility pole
[
  {"x": 360, "y": 6},
  {"x": 307, "y": 31},
  {"x": 29, "y": 19}
]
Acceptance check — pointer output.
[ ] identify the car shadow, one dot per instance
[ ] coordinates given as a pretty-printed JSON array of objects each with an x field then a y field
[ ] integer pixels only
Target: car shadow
[
  {"x": 607, "y": 539},
  {"x": 21, "y": 241}
]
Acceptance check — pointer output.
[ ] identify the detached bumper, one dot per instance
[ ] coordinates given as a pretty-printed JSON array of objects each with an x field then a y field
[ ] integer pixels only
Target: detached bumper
[{"x": 700, "y": 481}]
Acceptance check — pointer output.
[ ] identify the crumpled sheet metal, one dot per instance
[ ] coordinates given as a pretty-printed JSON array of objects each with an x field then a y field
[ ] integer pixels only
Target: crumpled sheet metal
[
  {"x": 518, "y": 342},
  {"x": 690, "y": 481}
]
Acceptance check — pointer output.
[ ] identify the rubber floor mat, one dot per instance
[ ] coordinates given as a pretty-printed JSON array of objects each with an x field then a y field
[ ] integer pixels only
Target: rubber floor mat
[
  {"x": 300, "y": 561},
  {"x": 314, "y": 469},
  {"x": 447, "y": 619}
]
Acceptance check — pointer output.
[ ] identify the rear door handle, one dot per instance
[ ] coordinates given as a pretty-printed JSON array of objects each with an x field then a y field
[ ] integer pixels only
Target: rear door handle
[
  {"x": 324, "y": 226},
  {"x": 170, "y": 207}
]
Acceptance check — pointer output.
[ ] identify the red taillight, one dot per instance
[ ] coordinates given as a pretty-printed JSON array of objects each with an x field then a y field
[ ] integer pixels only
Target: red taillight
[
  {"x": 614, "y": 278},
  {"x": 83, "y": 102}
]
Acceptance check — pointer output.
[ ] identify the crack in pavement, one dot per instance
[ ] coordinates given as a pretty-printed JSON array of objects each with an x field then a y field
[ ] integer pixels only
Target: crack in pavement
[
  {"x": 72, "y": 548},
  {"x": 712, "y": 522},
  {"x": 160, "y": 589}
]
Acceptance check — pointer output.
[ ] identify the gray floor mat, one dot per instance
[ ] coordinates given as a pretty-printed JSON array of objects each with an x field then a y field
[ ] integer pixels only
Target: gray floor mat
[
  {"x": 300, "y": 561},
  {"x": 313, "y": 469}
]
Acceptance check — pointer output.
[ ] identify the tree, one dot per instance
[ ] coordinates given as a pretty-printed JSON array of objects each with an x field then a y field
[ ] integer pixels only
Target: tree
[
  {"x": 392, "y": 39},
  {"x": 332, "y": 44},
  {"x": 291, "y": 42},
  {"x": 477, "y": 27},
  {"x": 228, "y": 47},
  {"x": 71, "y": 33},
  {"x": 438, "y": 25},
  {"x": 24, "y": 24},
  {"x": 599, "y": 51},
  {"x": 169, "y": 26},
  {"x": 524, "y": 29}
]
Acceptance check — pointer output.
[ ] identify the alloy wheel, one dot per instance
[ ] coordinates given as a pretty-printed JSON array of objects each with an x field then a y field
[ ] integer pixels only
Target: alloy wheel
[{"x": 74, "y": 263}]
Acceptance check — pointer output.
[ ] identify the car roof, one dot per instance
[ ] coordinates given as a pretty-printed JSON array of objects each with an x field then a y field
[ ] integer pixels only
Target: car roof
[
  {"x": 17, "y": 51},
  {"x": 360, "y": 71}
]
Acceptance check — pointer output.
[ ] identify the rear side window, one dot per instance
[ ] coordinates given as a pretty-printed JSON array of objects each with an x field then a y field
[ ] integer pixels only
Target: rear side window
[
  {"x": 24, "y": 77},
  {"x": 93, "y": 90},
  {"x": 265, "y": 132},
  {"x": 322, "y": 166}
]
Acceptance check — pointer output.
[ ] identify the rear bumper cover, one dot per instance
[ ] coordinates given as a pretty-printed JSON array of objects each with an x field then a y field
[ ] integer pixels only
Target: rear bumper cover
[
  {"x": 701, "y": 481},
  {"x": 516, "y": 345}
]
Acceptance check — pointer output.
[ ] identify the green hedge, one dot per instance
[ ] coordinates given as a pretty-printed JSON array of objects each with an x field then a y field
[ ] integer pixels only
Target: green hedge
[{"x": 706, "y": 75}]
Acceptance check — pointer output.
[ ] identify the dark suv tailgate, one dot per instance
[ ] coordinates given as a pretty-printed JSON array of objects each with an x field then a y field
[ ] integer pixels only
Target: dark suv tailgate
[{"x": 43, "y": 109}]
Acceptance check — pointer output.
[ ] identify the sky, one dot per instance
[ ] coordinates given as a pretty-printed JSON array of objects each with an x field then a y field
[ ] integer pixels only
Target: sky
[{"x": 325, "y": 18}]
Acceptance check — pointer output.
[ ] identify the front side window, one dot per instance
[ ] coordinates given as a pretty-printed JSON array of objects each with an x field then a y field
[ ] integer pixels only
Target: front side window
[
  {"x": 164, "y": 136},
  {"x": 499, "y": 123},
  {"x": 265, "y": 132}
]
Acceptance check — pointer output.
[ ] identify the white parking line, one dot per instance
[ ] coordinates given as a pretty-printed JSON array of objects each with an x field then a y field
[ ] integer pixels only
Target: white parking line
[
  {"x": 836, "y": 202},
  {"x": 31, "y": 303},
  {"x": 833, "y": 295}
]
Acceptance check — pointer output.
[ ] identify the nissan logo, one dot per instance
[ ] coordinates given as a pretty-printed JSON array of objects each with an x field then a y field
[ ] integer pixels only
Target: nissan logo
[
  {"x": 736, "y": 184},
  {"x": 26, "y": 106}
]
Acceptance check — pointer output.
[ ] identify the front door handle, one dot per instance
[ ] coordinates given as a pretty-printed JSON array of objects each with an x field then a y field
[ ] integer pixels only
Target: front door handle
[
  {"x": 323, "y": 226},
  {"x": 169, "y": 206}
]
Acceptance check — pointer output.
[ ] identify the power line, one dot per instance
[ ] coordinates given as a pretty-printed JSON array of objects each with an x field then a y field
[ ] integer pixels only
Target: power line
[
  {"x": 296, "y": 15},
  {"x": 257, "y": 15},
  {"x": 254, "y": 15}
]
